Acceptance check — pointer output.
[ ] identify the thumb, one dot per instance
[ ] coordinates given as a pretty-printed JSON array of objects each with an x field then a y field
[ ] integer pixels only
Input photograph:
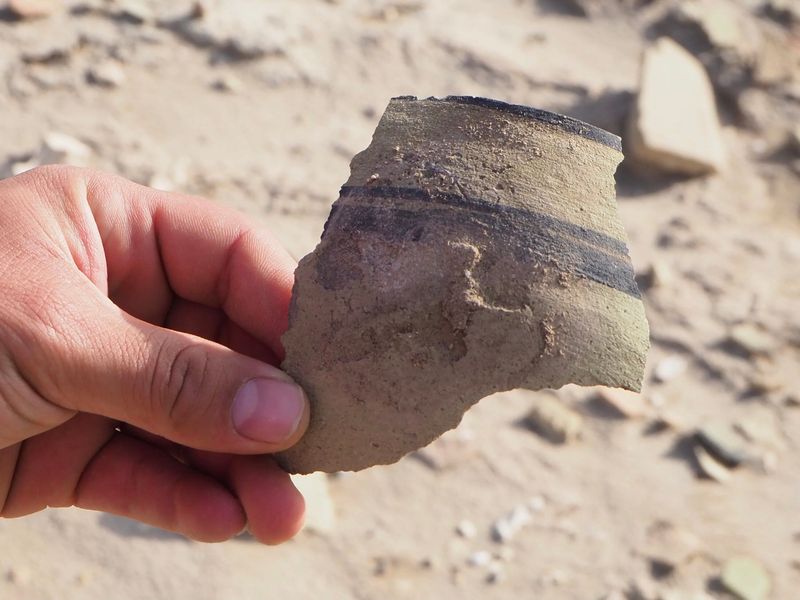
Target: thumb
[{"x": 184, "y": 388}]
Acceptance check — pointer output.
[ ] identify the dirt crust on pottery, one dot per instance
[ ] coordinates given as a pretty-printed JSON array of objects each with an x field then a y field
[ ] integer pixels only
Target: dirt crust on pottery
[{"x": 475, "y": 248}]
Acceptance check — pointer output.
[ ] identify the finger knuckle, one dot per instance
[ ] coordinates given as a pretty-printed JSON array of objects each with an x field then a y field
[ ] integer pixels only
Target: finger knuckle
[{"x": 183, "y": 378}]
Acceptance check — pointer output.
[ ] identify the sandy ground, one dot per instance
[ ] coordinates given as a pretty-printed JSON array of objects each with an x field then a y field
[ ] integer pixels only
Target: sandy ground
[{"x": 303, "y": 84}]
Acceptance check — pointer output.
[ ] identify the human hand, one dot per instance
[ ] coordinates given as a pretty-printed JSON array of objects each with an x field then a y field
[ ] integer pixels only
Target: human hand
[{"x": 103, "y": 403}]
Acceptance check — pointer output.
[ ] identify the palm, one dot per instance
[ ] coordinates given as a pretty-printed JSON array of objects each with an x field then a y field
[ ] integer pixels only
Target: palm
[{"x": 230, "y": 286}]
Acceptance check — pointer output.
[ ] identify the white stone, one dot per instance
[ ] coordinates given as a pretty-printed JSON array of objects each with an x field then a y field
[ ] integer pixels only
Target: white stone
[
  {"x": 505, "y": 528},
  {"x": 479, "y": 558},
  {"x": 60, "y": 148},
  {"x": 107, "y": 74},
  {"x": 674, "y": 126},
  {"x": 670, "y": 368}
]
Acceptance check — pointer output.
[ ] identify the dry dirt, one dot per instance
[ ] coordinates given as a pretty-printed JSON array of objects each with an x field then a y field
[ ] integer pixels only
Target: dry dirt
[{"x": 261, "y": 105}]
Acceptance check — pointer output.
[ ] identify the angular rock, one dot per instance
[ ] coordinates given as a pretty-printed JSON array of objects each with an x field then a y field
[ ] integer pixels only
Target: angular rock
[
  {"x": 106, "y": 74},
  {"x": 746, "y": 578},
  {"x": 243, "y": 29},
  {"x": 751, "y": 340},
  {"x": 674, "y": 126},
  {"x": 710, "y": 466},
  {"x": 553, "y": 420},
  {"x": 476, "y": 248},
  {"x": 60, "y": 148},
  {"x": 724, "y": 443}
]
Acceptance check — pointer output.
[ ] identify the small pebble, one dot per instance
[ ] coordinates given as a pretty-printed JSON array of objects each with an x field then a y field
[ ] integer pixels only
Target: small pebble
[
  {"x": 670, "y": 368},
  {"x": 466, "y": 529},
  {"x": 505, "y": 528},
  {"x": 107, "y": 74},
  {"x": 710, "y": 466},
  {"x": 480, "y": 558},
  {"x": 723, "y": 442},
  {"x": 751, "y": 340},
  {"x": 746, "y": 578},
  {"x": 554, "y": 420}
]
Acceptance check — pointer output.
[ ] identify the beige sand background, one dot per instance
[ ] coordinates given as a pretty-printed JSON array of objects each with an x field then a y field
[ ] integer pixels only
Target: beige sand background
[{"x": 261, "y": 105}]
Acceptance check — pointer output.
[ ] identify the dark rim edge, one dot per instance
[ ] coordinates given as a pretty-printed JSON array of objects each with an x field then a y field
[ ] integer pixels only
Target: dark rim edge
[{"x": 563, "y": 122}]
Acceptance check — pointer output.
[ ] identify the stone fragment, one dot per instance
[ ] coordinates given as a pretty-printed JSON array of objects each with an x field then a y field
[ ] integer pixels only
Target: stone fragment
[
  {"x": 106, "y": 74},
  {"x": 242, "y": 30},
  {"x": 658, "y": 275},
  {"x": 506, "y": 527},
  {"x": 466, "y": 529},
  {"x": 440, "y": 282},
  {"x": 669, "y": 545},
  {"x": 746, "y": 578},
  {"x": 751, "y": 340},
  {"x": 674, "y": 126},
  {"x": 627, "y": 404},
  {"x": 479, "y": 558},
  {"x": 34, "y": 9},
  {"x": 710, "y": 466},
  {"x": 320, "y": 510},
  {"x": 60, "y": 148},
  {"x": 670, "y": 368},
  {"x": 723, "y": 442},
  {"x": 553, "y": 420}
]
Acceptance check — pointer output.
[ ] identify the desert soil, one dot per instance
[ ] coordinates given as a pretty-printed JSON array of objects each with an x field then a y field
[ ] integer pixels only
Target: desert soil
[{"x": 261, "y": 105}]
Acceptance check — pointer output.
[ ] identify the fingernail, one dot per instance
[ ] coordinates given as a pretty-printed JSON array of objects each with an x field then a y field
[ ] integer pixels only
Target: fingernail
[{"x": 268, "y": 410}]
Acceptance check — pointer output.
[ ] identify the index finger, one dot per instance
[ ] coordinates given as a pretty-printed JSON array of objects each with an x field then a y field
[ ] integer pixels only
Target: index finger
[{"x": 159, "y": 245}]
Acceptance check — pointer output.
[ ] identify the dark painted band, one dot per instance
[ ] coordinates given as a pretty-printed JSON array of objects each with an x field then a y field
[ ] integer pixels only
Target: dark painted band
[
  {"x": 567, "y": 124},
  {"x": 529, "y": 234}
]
